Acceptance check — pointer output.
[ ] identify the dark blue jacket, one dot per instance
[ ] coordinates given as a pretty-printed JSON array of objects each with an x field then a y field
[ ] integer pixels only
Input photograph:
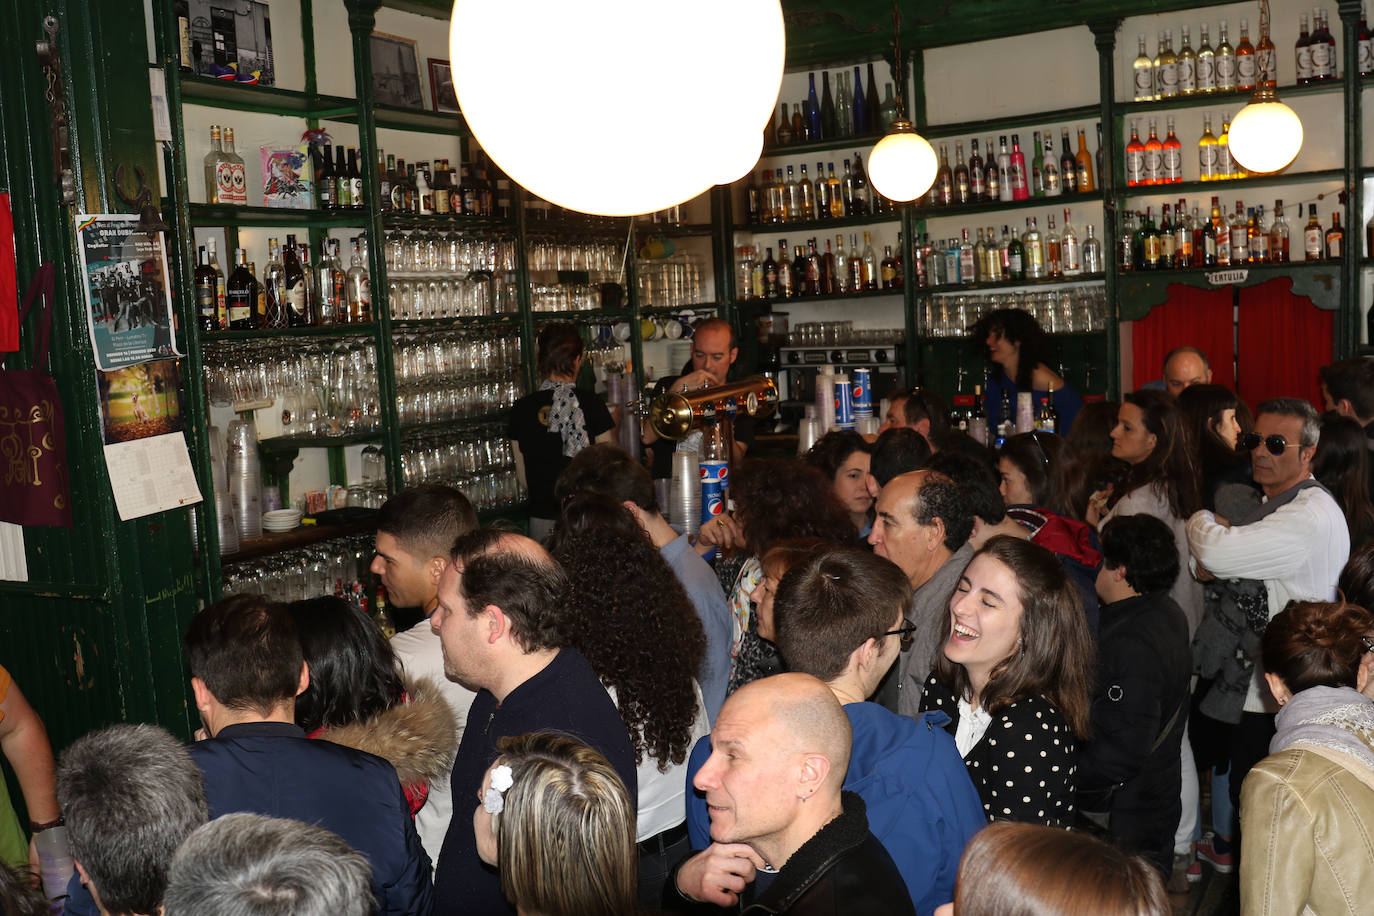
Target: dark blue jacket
[
  {"x": 566, "y": 697},
  {"x": 921, "y": 803},
  {"x": 271, "y": 768}
]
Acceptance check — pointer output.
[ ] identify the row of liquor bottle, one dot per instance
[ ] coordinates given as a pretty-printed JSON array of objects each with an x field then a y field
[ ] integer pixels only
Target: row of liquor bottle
[
  {"x": 851, "y": 112},
  {"x": 1155, "y": 161},
  {"x": 1248, "y": 236},
  {"x": 292, "y": 292},
  {"x": 775, "y": 199},
  {"x": 832, "y": 272},
  {"x": 1031, "y": 255},
  {"x": 1225, "y": 69},
  {"x": 1006, "y": 176}
]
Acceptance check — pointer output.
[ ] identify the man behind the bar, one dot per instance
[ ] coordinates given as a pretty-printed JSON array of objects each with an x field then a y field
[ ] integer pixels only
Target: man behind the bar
[
  {"x": 500, "y": 601},
  {"x": 416, "y": 529}
]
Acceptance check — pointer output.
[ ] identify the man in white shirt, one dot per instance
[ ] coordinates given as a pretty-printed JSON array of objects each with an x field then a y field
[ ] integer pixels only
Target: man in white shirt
[
  {"x": 1297, "y": 550},
  {"x": 416, "y": 529}
]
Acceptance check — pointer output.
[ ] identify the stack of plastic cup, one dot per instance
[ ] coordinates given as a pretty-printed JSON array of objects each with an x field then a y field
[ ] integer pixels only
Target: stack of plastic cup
[
  {"x": 1025, "y": 412},
  {"x": 245, "y": 478},
  {"x": 224, "y": 511},
  {"x": 684, "y": 504},
  {"x": 55, "y": 863}
]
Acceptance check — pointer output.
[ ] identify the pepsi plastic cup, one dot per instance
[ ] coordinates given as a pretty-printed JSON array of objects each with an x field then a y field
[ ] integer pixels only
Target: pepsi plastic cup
[
  {"x": 844, "y": 405},
  {"x": 714, "y": 481},
  {"x": 862, "y": 392}
]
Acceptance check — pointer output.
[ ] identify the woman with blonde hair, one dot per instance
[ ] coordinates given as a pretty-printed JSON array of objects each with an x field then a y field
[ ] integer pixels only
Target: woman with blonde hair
[
  {"x": 558, "y": 824},
  {"x": 1028, "y": 870}
]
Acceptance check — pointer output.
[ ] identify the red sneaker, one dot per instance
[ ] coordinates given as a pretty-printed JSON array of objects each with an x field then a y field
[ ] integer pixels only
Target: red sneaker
[{"x": 1217, "y": 851}]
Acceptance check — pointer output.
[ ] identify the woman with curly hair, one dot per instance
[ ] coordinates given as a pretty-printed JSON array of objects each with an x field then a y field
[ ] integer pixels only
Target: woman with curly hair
[
  {"x": 775, "y": 499},
  {"x": 637, "y": 628},
  {"x": 1020, "y": 352},
  {"x": 358, "y": 697},
  {"x": 843, "y": 456},
  {"x": 1015, "y": 677}
]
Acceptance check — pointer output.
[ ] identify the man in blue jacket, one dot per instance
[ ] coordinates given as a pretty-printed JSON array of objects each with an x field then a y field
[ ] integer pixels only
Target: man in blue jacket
[{"x": 840, "y": 617}]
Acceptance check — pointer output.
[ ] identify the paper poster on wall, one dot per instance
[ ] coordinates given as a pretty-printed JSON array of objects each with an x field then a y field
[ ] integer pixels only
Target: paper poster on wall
[
  {"x": 145, "y": 448},
  {"x": 128, "y": 296}
]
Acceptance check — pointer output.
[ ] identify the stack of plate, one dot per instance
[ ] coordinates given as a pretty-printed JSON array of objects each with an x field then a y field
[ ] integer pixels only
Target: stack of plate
[{"x": 279, "y": 520}]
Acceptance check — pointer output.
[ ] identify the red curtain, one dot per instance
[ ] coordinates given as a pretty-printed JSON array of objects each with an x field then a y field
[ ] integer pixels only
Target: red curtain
[
  {"x": 1283, "y": 340},
  {"x": 1194, "y": 317}
]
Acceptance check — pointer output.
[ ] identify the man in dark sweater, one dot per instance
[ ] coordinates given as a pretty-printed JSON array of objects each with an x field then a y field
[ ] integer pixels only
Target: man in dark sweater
[{"x": 498, "y": 620}]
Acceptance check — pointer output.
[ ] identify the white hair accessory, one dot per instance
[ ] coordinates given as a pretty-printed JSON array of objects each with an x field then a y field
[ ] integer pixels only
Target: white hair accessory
[{"x": 501, "y": 780}]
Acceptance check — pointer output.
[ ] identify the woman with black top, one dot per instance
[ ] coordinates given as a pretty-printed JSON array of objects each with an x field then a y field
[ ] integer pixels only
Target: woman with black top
[
  {"x": 554, "y": 423},
  {"x": 1341, "y": 464},
  {"x": 1015, "y": 676},
  {"x": 1218, "y": 419}
]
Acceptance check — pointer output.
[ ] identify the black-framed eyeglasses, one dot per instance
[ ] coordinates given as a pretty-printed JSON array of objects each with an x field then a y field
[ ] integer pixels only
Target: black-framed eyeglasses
[
  {"x": 1368, "y": 643},
  {"x": 907, "y": 634},
  {"x": 1275, "y": 444}
]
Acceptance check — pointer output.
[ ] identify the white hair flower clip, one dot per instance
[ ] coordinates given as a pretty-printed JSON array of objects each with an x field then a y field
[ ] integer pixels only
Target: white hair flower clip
[{"x": 501, "y": 780}]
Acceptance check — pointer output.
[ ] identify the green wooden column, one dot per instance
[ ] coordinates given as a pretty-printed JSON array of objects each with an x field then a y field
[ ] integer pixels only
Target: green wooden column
[
  {"x": 1348, "y": 318},
  {"x": 1104, "y": 38}
]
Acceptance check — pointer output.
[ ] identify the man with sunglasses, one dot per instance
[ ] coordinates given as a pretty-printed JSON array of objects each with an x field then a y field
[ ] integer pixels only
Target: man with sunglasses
[{"x": 1296, "y": 542}]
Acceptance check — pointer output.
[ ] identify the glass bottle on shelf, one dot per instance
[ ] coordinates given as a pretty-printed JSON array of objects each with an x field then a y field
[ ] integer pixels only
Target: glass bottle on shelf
[
  {"x": 860, "y": 107},
  {"x": 854, "y": 265},
  {"x": 1020, "y": 189},
  {"x": 801, "y": 125},
  {"x": 330, "y": 283},
  {"x": 783, "y": 133},
  {"x": 828, "y": 285},
  {"x": 793, "y": 196},
  {"x": 1323, "y": 49},
  {"x": 1187, "y": 66},
  {"x": 297, "y": 296},
  {"x": 213, "y": 160},
  {"x": 1070, "y": 249},
  {"x": 977, "y": 175},
  {"x": 978, "y": 419},
  {"x": 875, "y": 116},
  {"x": 1033, "y": 255},
  {"x": 359, "y": 288},
  {"x": 863, "y": 200},
  {"x": 1006, "y": 190},
  {"x": 1049, "y": 166},
  {"x": 786, "y": 290},
  {"x": 820, "y": 193},
  {"x": 1259, "y": 238},
  {"x": 1208, "y": 167},
  {"x": 1335, "y": 238},
  {"x": 1054, "y": 263},
  {"x": 829, "y": 129},
  {"x": 844, "y": 107},
  {"x": 1247, "y": 74},
  {"x": 942, "y": 193},
  {"x": 1166, "y": 67},
  {"x": 994, "y": 174},
  {"x": 1226, "y": 61},
  {"x": 1068, "y": 164},
  {"x": 343, "y": 188},
  {"x": 888, "y": 112},
  {"x": 1092, "y": 251},
  {"x": 1143, "y": 73},
  {"x": 1154, "y": 157},
  {"x": 1226, "y": 165},
  {"x": 274, "y": 289},
  {"x": 1313, "y": 239},
  {"x": 241, "y": 294},
  {"x": 815, "y": 130},
  {"x": 870, "y": 263},
  {"x": 1183, "y": 236},
  {"x": 326, "y": 187},
  {"x": 238, "y": 177},
  {"x": 1083, "y": 162},
  {"x": 963, "y": 187},
  {"x": 211, "y": 247},
  {"x": 1206, "y": 63},
  {"x": 204, "y": 280},
  {"x": 1037, "y": 166},
  {"x": 1135, "y": 158},
  {"x": 837, "y": 202},
  {"x": 887, "y": 267},
  {"x": 1168, "y": 243},
  {"x": 1266, "y": 57},
  {"x": 1240, "y": 236},
  {"x": 1173, "y": 156},
  {"x": 386, "y": 169},
  {"x": 355, "y": 181},
  {"x": 1302, "y": 51},
  {"x": 1278, "y": 235}
]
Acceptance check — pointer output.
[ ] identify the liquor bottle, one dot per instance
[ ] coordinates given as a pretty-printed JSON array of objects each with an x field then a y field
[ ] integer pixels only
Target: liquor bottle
[
  {"x": 942, "y": 192},
  {"x": 887, "y": 268},
  {"x": 870, "y": 264},
  {"x": 801, "y": 122},
  {"x": 978, "y": 420},
  {"x": 1225, "y": 60},
  {"x": 1092, "y": 252},
  {"x": 1007, "y": 191},
  {"x": 1183, "y": 234},
  {"x": 343, "y": 193},
  {"x": 951, "y": 258},
  {"x": 387, "y": 170},
  {"x": 844, "y": 107},
  {"x": 810, "y": 269},
  {"x": 274, "y": 289},
  {"x": 783, "y": 133},
  {"x": 829, "y": 125},
  {"x": 1208, "y": 167},
  {"x": 828, "y": 287},
  {"x": 1087, "y": 182},
  {"x": 1211, "y": 241},
  {"x": 874, "y": 105},
  {"x": 1006, "y": 420},
  {"x": 357, "y": 289},
  {"x": 994, "y": 174},
  {"x": 813, "y": 111},
  {"x": 1226, "y": 164},
  {"x": 847, "y": 190},
  {"x": 1020, "y": 189},
  {"x": 1206, "y": 63},
  {"x": 1278, "y": 235},
  {"x": 1049, "y": 166},
  {"x": 206, "y": 309},
  {"x": 980, "y": 256},
  {"x": 1313, "y": 239},
  {"x": 1034, "y": 257},
  {"x": 1323, "y": 49},
  {"x": 1166, "y": 67},
  {"x": 1016, "y": 257},
  {"x": 1335, "y": 238},
  {"x": 1068, "y": 165},
  {"x": 326, "y": 187},
  {"x": 424, "y": 193},
  {"x": 784, "y": 271},
  {"x": 1047, "y": 418},
  {"x": 1143, "y": 73},
  {"x": 1240, "y": 236},
  {"x": 1151, "y": 246},
  {"x": 241, "y": 294},
  {"x": 443, "y": 189},
  {"x": 213, "y": 175},
  {"x": 1135, "y": 158},
  {"x": 297, "y": 297},
  {"x": 806, "y": 195},
  {"x": 312, "y": 297},
  {"x": 963, "y": 187},
  {"x": 1302, "y": 51},
  {"x": 330, "y": 283},
  {"x": 238, "y": 176},
  {"x": 860, "y": 103},
  {"x": 1070, "y": 249},
  {"x": 1054, "y": 256},
  {"x": 820, "y": 193},
  {"x": 1366, "y": 40},
  {"x": 1187, "y": 66},
  {"x": 220, "y": 293},
  {"x": 1168, "y": 243},
  {"x": 1196, "y": 224},
  {"x": 854, "y": 264},
  {"x": 1266, "y": 57},
  {"x": 771, "y": 288},
  {"x": 1037, "y": 166},
  {"x": 863, "y": 200},
  {"x": 1259, "y": 237},
  {"x": 977, "y": 175},
  {"x": 355, "y": 181},
  {"x": 1154, "y": 157},
  {"x": 1247, "y": 74},
  {"x": 1004, "y": 252},
  {"x": 791, "y": 198},
  {"x": 1173, "y": 156},
  {"x": 837, "y": 204}
]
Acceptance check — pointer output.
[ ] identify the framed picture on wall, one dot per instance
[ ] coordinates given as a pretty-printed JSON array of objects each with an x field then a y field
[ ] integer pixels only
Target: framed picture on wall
[
  {"x": 396, "y": 71},
  {"x": 441, "y": 85}
]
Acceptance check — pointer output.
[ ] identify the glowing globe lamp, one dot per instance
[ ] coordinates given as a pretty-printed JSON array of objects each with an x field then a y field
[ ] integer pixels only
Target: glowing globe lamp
[
  {"x": 1266, "y": 135},
  {"x": 902, "y": 166}
]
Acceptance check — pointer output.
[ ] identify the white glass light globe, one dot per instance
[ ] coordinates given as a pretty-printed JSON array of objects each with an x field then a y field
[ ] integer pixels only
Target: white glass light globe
[
  {"x": 902, "y": 166},
  {"x": 738, "y": 155},
  {"x": 1265, "y": 136},
  {"x": 616, "y": 107}
]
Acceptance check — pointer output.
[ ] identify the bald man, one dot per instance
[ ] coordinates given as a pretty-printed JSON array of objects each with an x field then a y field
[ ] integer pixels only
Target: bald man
[
  {"x": 785, "y": 837},
  {"x": 498, "y": 621}
]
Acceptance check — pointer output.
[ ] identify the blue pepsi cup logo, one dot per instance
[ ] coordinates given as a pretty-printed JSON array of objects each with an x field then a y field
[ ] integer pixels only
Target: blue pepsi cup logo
[
  {"x": 862, "y": 393},
  {"x": 712, "y": 500},
  {"x": 844, "y": 406},
  {"x": 715, "y": 472}
]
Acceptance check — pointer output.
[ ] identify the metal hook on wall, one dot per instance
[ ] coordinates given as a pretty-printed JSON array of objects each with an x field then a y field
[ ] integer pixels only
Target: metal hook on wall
[{"x": 50, "y": 58}]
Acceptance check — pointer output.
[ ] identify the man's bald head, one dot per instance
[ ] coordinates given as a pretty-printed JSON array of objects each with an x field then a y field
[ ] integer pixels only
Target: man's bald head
[
  {"x": 517, "y": 575},
  {"x": 1186, "y": 366},
  {"x": 804, "y": 717}
]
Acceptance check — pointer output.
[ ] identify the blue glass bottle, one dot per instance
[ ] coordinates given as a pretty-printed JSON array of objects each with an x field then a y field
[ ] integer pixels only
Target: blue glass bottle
[
  {"x": 861, "y": 125},
  {"x": 813, "y": 111}
]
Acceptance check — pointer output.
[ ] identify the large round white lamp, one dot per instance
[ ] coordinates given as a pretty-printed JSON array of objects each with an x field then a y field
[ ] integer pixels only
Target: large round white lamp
[
  {"x": 616, "y": 107},
  {"x": 738, "y": 154},
  {"x": 1266, "y": 134},
  {"x": 902, "y": 166}
]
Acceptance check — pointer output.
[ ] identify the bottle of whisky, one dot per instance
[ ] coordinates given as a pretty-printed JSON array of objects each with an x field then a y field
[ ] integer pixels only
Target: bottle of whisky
[
  {"x": 1070, "y": 249},
  {"x": 1335, "y": 238},
  {"x": 942, "y": 194},
  {"x": 1226, "y": 165},
  {"x": 1313, "y": 239},
  {"x": 1068, "y": 164},
  {"x": 297, "y": 296},
  {"x": 242, "y": 294},
  {"x": 1247, "y": 73},
  {"x": 1278, "y": 235},
  {"x": 963, "y": 183},
  {"x": 221, "y": 309},
  {"x": 204, "y": 279}
]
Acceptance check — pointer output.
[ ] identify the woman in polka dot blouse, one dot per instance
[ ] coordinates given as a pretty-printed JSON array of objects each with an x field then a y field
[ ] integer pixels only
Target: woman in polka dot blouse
[{"x": 1015, "y": 677}]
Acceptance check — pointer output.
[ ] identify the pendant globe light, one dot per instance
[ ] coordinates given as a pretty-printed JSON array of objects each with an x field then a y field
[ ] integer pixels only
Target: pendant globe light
[
  {"x": 617, "y": 107},
  {"x": 902, "y": 166},
  {"x": 1266, "y": 135}
]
